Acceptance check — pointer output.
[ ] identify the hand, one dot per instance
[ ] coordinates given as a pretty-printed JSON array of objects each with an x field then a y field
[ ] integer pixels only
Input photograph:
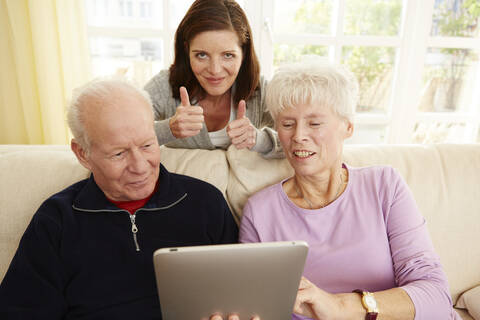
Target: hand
[
  {"x": 231, "y": 317},
  {"x": 316, "y": 303},
  {"x": 188, "y": 120},
  {"x": 241, "y": 131}
]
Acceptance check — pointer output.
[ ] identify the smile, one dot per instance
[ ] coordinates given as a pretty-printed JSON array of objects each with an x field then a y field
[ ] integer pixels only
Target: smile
[
  {"x": 303, "y": 154},
  {"x": 214, "y": 80}
]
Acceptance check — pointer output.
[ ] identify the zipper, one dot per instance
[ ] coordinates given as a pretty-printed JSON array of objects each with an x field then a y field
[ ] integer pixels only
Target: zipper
[{"x": 134, "y": 231}]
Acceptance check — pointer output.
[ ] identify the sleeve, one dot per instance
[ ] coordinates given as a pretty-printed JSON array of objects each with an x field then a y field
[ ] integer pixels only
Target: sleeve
[
  {"x": 35, "y": 281},
  {"x": 416, "y": 265},
  {"x": 267, "y": 143},
  {"x": 248, "y": 232},
  {"x": 164, "y": 106}
]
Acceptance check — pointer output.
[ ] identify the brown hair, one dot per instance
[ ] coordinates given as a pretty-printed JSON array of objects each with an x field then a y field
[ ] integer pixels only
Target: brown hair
[{"x": 210, "y": 15}]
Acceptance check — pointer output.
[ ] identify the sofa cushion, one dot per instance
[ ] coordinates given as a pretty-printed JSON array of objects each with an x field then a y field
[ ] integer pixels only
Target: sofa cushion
[
  {"x": 207, "y": 165},
  {"x": 470, "y": 300}
]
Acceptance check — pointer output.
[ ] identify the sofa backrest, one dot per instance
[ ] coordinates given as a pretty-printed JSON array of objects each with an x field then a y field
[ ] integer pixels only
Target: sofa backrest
[{"x": 443, "y": 178}]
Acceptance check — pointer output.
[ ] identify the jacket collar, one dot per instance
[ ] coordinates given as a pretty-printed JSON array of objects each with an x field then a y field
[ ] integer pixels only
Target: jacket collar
[{"x": 92, "y": 199}]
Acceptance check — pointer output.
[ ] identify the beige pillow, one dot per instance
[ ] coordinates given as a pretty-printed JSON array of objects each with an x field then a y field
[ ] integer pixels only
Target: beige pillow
[
  {"x": 470, "y": 300},
  {"x": 249, "y": 173},
  {"x": 207, "y": 165}
]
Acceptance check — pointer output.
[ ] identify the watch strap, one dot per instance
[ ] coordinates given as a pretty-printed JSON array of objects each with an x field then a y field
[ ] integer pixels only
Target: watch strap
[{"x": 369, "y": 315}]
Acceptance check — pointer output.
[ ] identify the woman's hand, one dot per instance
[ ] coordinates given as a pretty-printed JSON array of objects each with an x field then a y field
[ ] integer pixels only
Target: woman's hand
[
  {"x": 316, "y": 303},
  {"x": 188, "y": 120},
  {"x": 241, "y": 131}
]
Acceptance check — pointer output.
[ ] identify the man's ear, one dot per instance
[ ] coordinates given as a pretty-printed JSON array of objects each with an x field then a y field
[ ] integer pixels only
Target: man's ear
[{"x": 80, "y": 153}]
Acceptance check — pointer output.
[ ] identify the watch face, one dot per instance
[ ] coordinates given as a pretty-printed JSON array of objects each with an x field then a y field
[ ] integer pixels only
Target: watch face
[{"x": 370, "y": 302}]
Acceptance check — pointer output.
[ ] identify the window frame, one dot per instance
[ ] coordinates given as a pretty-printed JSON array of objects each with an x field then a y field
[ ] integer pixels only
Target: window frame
[{"x": 411, "y": 43}]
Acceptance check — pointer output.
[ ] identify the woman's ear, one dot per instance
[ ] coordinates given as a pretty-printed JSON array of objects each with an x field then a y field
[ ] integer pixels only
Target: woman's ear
[{"x": 349, "y": 129}]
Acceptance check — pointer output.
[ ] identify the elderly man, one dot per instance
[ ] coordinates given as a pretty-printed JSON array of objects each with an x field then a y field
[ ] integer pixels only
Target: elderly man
[{"x": 87, "y": 253}]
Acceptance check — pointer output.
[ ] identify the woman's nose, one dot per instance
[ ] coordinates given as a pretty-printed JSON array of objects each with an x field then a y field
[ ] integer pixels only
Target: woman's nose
[{"x": 214, "y": 66}]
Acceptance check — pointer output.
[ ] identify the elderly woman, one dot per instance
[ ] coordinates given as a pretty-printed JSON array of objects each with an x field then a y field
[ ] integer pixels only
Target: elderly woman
[
  {"x": 213, "y": 96},
  {"x": 370, "y": 252}
]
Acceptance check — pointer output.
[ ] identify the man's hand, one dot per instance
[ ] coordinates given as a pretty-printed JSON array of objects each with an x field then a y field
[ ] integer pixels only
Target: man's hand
[
  {"x": 231, "y": 317},
  {"x": 241, "y": 132},
  {"x": 188, "y": 120}
]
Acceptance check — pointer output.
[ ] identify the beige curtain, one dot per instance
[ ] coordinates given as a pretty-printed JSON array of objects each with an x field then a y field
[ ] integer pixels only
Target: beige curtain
[{"x": 43, "y": 56}]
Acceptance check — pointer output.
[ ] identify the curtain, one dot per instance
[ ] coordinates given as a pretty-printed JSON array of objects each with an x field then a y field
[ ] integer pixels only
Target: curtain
[{"x": 43, "y": 56}]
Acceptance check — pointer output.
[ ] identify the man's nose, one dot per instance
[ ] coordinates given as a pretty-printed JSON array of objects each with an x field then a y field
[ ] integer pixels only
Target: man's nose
[{"x": 138, "y": 163}]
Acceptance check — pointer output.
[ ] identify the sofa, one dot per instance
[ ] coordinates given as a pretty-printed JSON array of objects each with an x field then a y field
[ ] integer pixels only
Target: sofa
[{"x": 444, "y": 179}]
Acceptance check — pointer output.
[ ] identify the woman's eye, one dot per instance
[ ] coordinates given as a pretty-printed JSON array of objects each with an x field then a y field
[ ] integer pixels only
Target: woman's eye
[
  {"x": 201, "y": 55},
  {"x": 229, "y": 55},
  {"x": 287, "y": 125}
]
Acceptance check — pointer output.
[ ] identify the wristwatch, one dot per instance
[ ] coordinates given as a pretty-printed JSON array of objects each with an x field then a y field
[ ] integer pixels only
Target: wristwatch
[{"x": 369, "y": 303}]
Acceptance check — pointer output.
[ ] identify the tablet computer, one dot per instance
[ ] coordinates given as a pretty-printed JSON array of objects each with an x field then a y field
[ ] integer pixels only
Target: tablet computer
[{"x": 246, "y": 278}]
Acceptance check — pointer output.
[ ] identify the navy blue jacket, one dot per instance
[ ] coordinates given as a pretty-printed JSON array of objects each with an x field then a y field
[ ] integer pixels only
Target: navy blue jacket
[{"x": 78, "y": 258}]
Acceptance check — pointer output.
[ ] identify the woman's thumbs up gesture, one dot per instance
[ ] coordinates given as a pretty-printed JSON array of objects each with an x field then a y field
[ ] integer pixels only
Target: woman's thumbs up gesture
[
  {"x": 241, "y": 131},
  {"x": 188, "y": 120}
]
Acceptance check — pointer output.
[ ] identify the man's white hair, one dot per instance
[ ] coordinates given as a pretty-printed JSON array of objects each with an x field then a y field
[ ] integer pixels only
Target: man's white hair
[
  {"x": 103, "y": 90},
  {"x": 313, "y": 82}
]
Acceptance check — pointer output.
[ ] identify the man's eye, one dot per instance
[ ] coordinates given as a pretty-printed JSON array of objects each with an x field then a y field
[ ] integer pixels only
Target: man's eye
[
  {"x": 287, "y": 125},
  {"x": 118, "y": 155}
]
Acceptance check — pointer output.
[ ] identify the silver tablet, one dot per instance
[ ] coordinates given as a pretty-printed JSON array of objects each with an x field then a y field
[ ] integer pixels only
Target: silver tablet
[{"x": 247, "y": 278}]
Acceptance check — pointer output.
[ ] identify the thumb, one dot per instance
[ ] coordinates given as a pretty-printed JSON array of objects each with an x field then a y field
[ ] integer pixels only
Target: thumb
[
  {"x": 241, "y": 109},
  {"x": 184, "y": 99}
]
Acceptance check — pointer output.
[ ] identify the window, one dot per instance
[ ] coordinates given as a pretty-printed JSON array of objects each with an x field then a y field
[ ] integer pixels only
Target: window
[{"x": 417, "y": 62}]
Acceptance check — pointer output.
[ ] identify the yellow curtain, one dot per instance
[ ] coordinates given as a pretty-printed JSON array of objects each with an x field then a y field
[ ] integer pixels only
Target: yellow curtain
[{"x": 43, "y": 56}]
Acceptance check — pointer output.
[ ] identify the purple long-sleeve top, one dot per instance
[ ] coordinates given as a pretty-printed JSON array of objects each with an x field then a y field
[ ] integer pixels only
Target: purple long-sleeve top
[{"x": 372, "y": 237}]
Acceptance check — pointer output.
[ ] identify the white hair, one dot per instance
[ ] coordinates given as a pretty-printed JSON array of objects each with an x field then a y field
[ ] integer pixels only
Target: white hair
[
  {"x": 310, "y": 82},
  {"x": 103, "y": 90}
]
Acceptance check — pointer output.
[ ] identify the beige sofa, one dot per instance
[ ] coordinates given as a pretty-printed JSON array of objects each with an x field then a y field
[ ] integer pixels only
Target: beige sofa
[{"x": 444, "y": 180}]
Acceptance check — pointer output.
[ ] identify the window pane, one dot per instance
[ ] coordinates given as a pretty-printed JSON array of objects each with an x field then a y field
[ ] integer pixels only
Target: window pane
[
  {"x": 459, "y": 18},
  {"x": 373, "y": 17},
  {"x": 284, "y": 53},
  {"x": 449, "y": 80},
  {"x": 178, "y": 8},
  {"x": 125, "y": 13},
  {"x": 303, "y": 16},
  {"x": 138, "y": 59},
  {"x": 439, "y": 132},
  {"x": 367, "y": 133},
  {"x": 373, "y": 67}
]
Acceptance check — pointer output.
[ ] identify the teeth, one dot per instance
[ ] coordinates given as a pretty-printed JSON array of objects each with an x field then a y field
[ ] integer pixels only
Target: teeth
[{"x": 303, "y": 154}]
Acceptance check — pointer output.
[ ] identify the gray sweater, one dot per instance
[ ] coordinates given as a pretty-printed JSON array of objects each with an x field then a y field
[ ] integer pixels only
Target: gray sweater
[{"x": 164, "y": 107}]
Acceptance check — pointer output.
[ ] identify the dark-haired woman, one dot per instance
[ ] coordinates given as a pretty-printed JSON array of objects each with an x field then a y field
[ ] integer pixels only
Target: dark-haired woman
[{"x": 213, "y": 96}]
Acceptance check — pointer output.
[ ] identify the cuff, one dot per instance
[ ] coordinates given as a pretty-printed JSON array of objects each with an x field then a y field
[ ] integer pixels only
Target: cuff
[
  {"x": 263, "y": 143},
  {"x": 163, "y": 132}
]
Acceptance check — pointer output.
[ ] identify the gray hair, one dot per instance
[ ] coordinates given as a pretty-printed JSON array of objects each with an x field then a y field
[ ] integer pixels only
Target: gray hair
[
  {"x": 102, "y": 89},
  {"x": 309, "y": 82}
]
